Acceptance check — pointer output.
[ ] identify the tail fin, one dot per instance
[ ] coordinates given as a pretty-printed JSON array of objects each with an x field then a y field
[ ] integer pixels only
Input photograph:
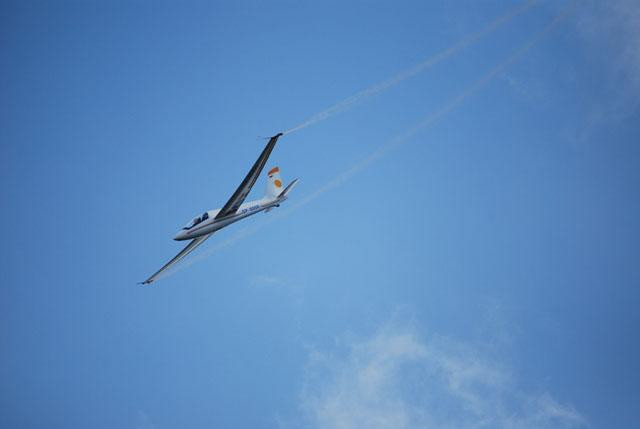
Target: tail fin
[{"x": 274, "y": 183}]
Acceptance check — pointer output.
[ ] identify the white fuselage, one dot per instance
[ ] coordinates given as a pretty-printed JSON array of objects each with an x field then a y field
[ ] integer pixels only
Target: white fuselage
[{"x": 212, "y": 224}]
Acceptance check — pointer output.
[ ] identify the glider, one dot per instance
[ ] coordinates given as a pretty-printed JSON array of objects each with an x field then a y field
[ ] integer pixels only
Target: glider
[{"x": 202, "y": 227}]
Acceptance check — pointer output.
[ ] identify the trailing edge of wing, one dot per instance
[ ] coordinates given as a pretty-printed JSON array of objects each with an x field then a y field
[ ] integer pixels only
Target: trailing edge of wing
[
  {"x": 184, "y": 252},
  {"x": 243, "y": 190}
]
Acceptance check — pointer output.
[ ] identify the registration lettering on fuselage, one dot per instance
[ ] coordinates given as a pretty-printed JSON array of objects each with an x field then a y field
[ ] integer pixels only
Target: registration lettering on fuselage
[{"x": 250, "y": 209}]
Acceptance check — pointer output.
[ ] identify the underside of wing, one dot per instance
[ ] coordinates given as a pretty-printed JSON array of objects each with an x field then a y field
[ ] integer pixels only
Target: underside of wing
[
  {"x": 243, "y": 190},
  {"x": 184, "y": 252}
]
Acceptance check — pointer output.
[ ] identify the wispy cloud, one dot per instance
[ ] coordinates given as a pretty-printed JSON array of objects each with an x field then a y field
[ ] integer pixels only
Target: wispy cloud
[
  {"x": 613, "y": 30},
  {"x": 144, "y": 421},
  {"x": 597, "y": 81},
  {"x": 396, "y": 379},
  {"x": 266, "y": 280},
  {"x": 611, "y": 34}
]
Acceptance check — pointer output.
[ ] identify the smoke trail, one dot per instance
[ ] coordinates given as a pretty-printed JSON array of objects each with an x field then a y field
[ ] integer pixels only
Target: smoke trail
[
  {"x": 399, "y": 140},
  {"x": 410, "y": 72},
  {"x": 432, "y": 118}
]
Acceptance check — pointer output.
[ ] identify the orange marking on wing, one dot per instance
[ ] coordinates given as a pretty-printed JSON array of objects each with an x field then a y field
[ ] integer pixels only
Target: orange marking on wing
[{"x": 278, "y": 183}]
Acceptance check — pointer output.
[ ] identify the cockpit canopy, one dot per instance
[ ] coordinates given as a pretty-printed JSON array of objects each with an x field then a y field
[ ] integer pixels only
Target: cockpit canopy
[{"x": 196, "y": 220}]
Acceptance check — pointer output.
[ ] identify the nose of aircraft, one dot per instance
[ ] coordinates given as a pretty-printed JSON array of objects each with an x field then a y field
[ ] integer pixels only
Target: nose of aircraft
[{"x": 180, "y": 235}]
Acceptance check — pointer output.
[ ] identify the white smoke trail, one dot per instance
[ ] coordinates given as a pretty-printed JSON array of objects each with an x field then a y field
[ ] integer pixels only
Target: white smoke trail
[
  {"x": 410, "y": 72},
  {"x": 399, "y": 140},
  {"x": 432, "y": 117}
]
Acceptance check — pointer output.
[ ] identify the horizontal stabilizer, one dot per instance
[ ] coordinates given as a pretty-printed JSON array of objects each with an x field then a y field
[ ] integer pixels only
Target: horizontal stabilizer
[{"x": 288, "y": 189}]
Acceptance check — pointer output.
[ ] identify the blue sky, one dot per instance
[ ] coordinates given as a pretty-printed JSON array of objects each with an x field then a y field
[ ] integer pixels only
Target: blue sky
[{"x": 482, "y": 273}]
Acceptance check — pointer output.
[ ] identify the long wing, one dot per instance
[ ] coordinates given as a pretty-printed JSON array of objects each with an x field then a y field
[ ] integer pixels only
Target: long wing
[
  {"x": 184, "y": 252},
  {"x": 243, "y": 190}
]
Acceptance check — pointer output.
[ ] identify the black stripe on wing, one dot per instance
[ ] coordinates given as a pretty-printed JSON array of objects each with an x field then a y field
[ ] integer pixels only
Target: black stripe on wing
[{"x": 243, "y": 190}]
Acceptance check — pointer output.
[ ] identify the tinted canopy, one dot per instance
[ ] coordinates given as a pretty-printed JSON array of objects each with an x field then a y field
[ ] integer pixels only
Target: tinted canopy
[{"x": 196, "y": 220}]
